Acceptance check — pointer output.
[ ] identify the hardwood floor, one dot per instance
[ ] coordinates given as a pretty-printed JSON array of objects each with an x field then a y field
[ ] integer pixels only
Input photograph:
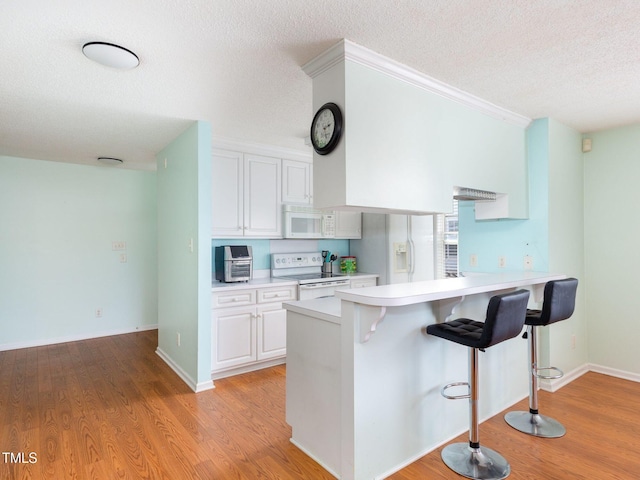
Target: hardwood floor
[{"x": 110, "y": 408}]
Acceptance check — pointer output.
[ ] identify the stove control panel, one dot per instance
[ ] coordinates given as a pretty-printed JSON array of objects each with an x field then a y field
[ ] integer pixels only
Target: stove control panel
[{"x": 296, "y": 260}]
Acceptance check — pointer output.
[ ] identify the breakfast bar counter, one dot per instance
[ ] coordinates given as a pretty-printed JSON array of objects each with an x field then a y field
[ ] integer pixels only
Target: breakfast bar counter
[{"x": 364, "y": 379}]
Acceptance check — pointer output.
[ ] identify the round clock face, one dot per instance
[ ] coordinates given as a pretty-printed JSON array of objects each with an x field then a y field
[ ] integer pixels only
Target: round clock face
[{"x": 326, "y": 128}]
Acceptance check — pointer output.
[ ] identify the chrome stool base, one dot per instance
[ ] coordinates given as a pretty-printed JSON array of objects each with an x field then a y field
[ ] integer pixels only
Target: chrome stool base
[
  {"x": 477, "y": 463},
  {"x": 535, "y": 424}
]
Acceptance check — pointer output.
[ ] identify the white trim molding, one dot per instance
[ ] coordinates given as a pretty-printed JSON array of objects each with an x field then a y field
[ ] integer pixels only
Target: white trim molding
[
  {"x": 75, "y": 338},
  {"x": 186, "y": 378},
  {"x": 614, "y": 372},
  {"x": 347, "y": 50},
  {"x": 567, "y": 378},
  {"x": 254, "y": 148}
]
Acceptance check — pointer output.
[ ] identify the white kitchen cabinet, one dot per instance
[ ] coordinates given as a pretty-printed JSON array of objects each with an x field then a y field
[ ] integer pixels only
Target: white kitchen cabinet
[
  {"x": 249, "y": 328},
  {"x": 272, "y": 331},
  {"x": 297, "y": 182},
  {"x": 348, "y": 225},
  {"x": 227, "y": 194},
  {"x": 247, "y": 195},
  {"x": 234, "y": 334},
  {"x": 263, "y": 196}
]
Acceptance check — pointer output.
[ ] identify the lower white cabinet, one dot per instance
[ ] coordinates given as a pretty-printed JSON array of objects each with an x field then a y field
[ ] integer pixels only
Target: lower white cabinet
[
  {"x": 249, "y": 329},
  {"x": 234, "y": 337},
  {"x": 272, "y": 331}
]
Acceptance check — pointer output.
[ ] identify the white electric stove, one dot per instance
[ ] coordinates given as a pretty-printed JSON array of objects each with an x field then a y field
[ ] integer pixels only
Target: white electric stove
[{"x": 306, "y": 268}]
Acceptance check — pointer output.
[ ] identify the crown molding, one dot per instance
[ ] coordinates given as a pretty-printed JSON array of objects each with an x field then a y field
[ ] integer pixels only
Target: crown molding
[
  {"x": 347, "y": 50},
  {"x": 255, "y": 148}
]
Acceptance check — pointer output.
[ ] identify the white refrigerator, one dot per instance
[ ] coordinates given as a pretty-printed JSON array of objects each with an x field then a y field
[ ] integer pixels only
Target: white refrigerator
[{"x": 400, "y": 248}]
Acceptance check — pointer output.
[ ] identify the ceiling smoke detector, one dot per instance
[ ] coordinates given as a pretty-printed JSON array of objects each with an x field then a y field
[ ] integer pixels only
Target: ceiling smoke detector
[{"x": 111, "y": 55}]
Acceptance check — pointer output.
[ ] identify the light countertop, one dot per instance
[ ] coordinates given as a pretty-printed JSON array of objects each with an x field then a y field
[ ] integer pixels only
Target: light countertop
[
  {"x": 217, "y": 286},
  {"x": 418, "y": 292}
]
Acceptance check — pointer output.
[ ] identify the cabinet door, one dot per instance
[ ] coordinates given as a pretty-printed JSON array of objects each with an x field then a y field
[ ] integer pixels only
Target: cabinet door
[
  {"x": 348, "y": 225},
  {"x": 272, "y": 331},
  {"x": 263, "y": 196},
  {"x": 296, "y": 182},
  {"x": 227, "y": 194},
  {"x": 234, "y": 337}
]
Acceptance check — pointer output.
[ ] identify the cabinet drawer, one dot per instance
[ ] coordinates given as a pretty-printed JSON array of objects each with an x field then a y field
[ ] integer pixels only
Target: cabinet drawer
[
  {"x": 277, "y": 294},
  {"x": 363, "y": 282},
  {"x": 233, "y": 299}
]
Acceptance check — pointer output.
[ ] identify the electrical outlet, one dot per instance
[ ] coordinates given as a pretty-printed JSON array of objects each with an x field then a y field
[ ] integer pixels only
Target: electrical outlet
[
  {"x": 528, "y": 262},
  {"x": 178, "y": 338},
  {"x": 502, "y": 261},
  {"x": 119, "y": 245},
  {"x": 123, "y": 258},
  {"x": 573, "y": 342},
  {"x": 98, "y": 312},
  {"x": 473, "y": 260}
]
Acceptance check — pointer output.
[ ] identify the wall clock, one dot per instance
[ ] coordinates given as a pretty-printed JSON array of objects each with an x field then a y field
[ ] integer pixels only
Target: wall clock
[{"x": 326, "y": 128}]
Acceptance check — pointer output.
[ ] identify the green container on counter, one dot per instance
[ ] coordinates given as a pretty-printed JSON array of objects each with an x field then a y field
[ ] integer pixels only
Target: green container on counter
[{"x": 348, "y": 265}]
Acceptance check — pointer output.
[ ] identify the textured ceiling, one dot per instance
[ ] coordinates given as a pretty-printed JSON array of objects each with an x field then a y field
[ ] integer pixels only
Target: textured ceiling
[{"x": 236, "y": 63}]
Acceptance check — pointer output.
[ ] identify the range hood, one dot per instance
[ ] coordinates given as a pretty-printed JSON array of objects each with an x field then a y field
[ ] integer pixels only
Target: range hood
[{"x": 464, "y": 193}]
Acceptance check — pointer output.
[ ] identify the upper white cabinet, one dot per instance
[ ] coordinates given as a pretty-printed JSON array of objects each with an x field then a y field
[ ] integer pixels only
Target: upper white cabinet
[
  {"x": 348, "y": 225},
  {"x": 262, "y": 199},
  {"x": 247, "y": 195},
  {"x": 228, "y": 194},
  {"x": 296, "y": 182}
]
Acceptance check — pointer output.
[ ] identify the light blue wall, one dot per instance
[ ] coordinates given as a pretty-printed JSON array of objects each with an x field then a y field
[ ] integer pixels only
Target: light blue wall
[
  {"x": 612, "y": 236},
  {"x": 513, "y": 239},
  {"x": 567, "y": 340},
  {"x": 184, "y": 274},
  {"x": 57, "y": 266}
]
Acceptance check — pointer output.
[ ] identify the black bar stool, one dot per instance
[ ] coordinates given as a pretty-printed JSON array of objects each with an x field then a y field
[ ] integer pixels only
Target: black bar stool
[
  {"x": 558, "y": 304},
  {"x": 505, "y": 319}
]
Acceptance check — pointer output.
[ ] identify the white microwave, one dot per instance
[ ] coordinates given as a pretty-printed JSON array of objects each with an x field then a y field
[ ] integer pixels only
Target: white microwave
[{"x": 306, "y": 222}]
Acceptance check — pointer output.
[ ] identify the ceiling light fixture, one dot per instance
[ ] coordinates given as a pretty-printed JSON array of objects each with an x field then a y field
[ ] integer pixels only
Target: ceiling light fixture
[
  {"x": 111, "y": 55},
  {"x": 111, "y": 160}
]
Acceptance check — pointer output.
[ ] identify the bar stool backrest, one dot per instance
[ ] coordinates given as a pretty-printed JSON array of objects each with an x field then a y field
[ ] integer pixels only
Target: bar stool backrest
[
  {"x": 559, "y": 300},
  {"x": 505, "y": 317}
]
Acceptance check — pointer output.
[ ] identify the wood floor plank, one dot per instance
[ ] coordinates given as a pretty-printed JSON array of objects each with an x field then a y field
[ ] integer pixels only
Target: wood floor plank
[{"x": 111, "y": 408}]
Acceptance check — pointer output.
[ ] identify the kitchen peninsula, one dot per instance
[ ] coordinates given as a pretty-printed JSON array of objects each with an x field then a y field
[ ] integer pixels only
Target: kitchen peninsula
[{"x": 364, "y": 380}]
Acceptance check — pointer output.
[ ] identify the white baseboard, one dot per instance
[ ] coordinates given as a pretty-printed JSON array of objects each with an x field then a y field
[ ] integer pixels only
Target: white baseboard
[
  {"x": 316, "y": 459},
  {"x": 555, "y": 385},
  {"x": 614, "y": 372},
  {"x": 567, "y": 378},
  {"x": 75, "y": 338},
  {"x": 186, "y": 378},
  {"x": 217, "y": 375}
]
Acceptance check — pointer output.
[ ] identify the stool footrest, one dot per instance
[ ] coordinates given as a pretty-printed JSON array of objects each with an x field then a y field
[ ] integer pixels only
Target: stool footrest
[
  {"x": 456, "y": 397},
  {"x": 559, "y": 373}
]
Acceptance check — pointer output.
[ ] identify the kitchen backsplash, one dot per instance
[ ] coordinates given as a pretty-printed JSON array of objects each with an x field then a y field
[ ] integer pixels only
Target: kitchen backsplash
[{"x": 262, "y": 249}]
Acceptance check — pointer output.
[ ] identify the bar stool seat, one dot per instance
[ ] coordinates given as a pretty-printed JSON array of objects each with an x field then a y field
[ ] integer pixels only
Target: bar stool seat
[
  {"x": 504, "y": 320},
  {"x": 558, "y": 304}
]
